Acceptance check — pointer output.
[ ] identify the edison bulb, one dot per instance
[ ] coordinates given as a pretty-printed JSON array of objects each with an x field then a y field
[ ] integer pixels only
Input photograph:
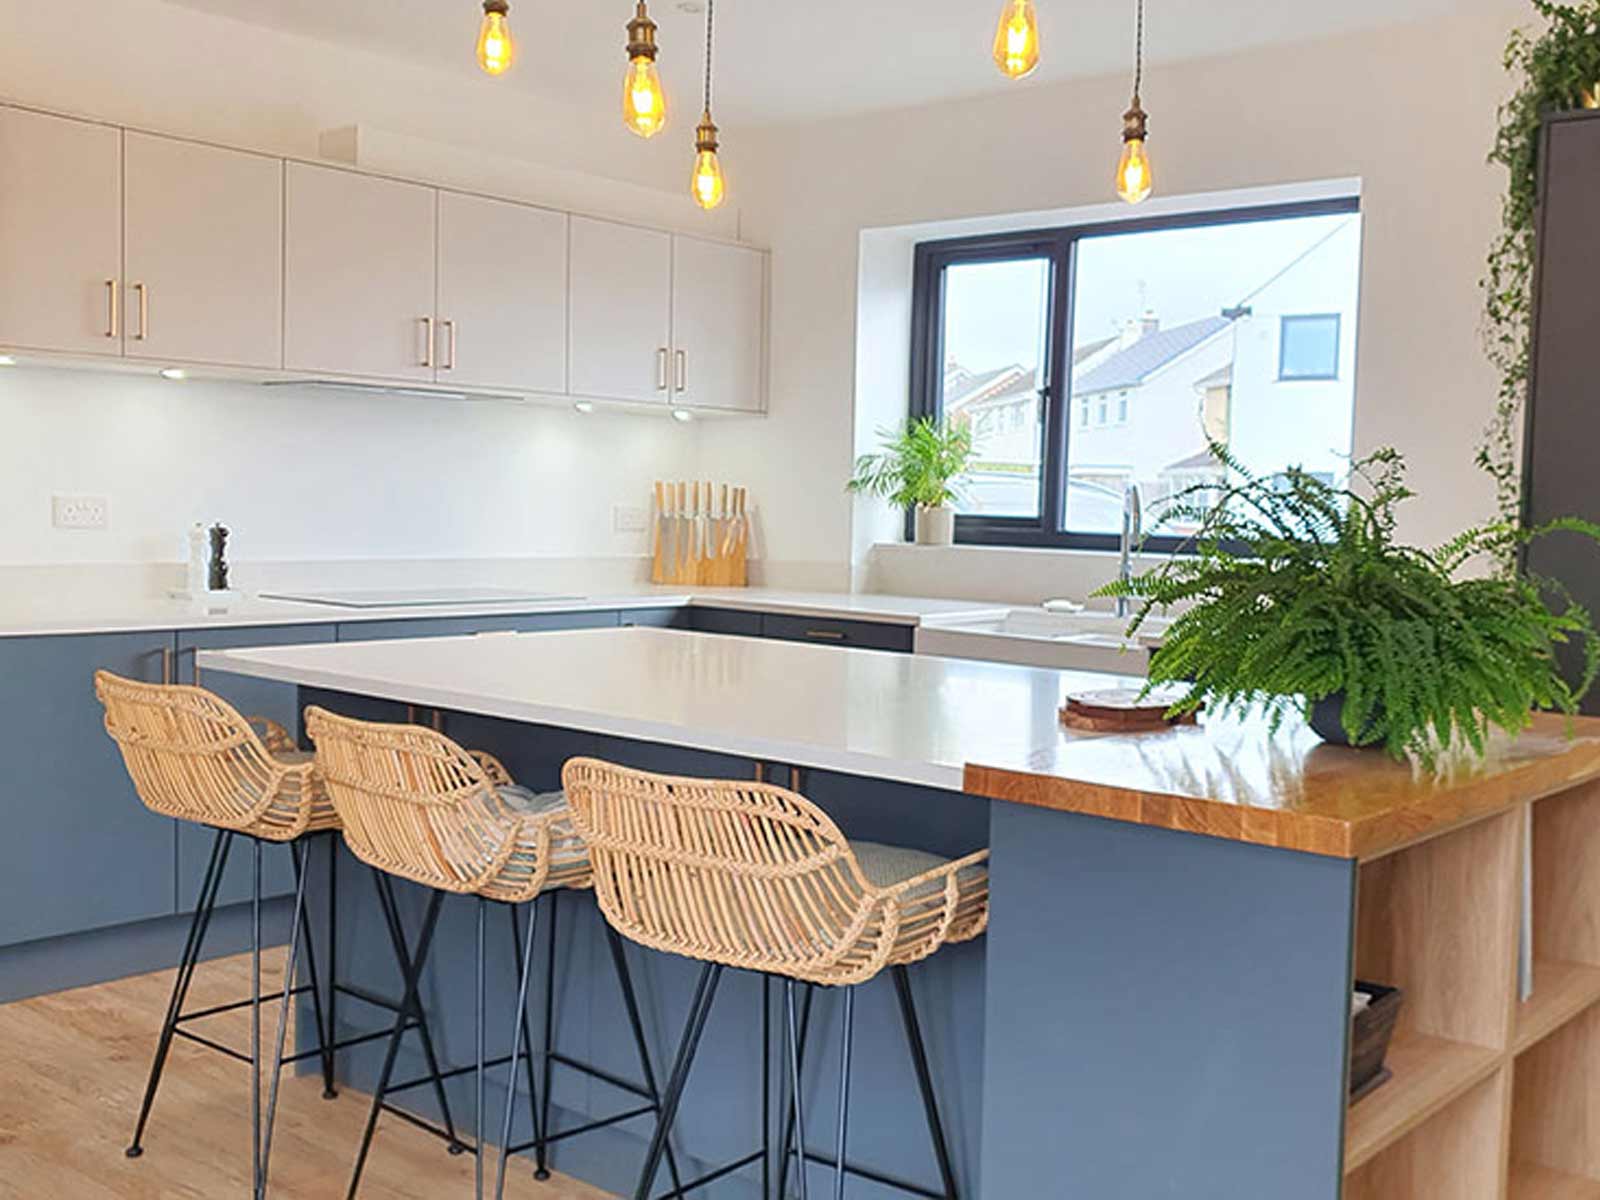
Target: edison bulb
[
  {"x": 495, "y": 45},
  {"x": 709, "y": 188},
  {"x": 1016, "y": 41},
  {"x": 1135, "y": 180},
  {"x": 644, "y": 102}
]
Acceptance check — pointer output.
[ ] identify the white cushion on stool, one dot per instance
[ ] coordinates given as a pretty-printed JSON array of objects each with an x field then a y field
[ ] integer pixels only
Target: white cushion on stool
[{"x": 529, "y": 802}]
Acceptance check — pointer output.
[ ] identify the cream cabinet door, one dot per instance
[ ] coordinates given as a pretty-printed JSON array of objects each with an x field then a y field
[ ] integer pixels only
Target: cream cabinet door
[
  {"x": 60, "y": 234},
  {"x": 358, "y": 275},
  {"x": 719, "y": 324},
  {"x": 621, "y": 311},
  {"x": 204, "y": 230},
  {"x": 502, "y": 295}
]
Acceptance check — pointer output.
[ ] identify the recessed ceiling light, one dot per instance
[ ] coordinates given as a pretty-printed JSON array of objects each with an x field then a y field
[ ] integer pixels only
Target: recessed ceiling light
[
  {"x": 174, "y": 373},
  {"x": 7, "y": 361},
  {"x": 682, "y": 414},
  {"x": 584, "y": 406}
]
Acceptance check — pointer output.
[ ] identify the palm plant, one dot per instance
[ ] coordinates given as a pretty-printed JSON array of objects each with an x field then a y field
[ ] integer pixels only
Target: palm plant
[{"x": 917, "y": 466}]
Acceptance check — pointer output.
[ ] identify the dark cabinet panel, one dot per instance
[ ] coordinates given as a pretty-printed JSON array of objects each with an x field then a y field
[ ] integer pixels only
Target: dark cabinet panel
[
  {"x": 80, "y": 851},
  {"x": 725, "y": 620},
  {"x": 253, "y": 698},
  {"x": 860, "y": 635},
  {"x": 656, "y": 618},
  {"x": 421, "y": 627},
  {"x": 1564, "y": 413}
]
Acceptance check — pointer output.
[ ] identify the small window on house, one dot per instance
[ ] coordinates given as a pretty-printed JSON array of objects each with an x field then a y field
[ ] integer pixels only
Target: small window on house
[
  {"x": 1122, "y": 409},
  {"x": 1308, "y": 347},
  {"x": 1083, "y": 415},
  {"x": 1102, "y": 410}
]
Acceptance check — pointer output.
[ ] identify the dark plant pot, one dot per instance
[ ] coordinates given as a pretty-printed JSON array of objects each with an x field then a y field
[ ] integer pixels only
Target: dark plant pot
[
  {"x": 1327, "y": 722},
  {"x": 1369, "y": 1039}
]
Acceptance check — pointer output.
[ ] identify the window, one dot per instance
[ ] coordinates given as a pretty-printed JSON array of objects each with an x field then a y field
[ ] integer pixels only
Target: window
[
  {"x": 1210, "y": 321},
  {"x": 1308, "y": 347}
]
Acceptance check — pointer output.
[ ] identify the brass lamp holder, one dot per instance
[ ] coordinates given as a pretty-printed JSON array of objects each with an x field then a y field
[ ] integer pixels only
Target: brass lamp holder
[
  {"x": 641, "y": 35},
  {"x": 496, "y": 6},
  {"x": 1135, "y": 122},
  {"x": 705, "y": 134}
]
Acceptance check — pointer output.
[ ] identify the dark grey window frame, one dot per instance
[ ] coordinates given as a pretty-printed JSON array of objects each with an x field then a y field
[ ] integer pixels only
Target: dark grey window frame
[
  {"x": 1283, "y": 345},
  {"x": 1059, "y": 247}
]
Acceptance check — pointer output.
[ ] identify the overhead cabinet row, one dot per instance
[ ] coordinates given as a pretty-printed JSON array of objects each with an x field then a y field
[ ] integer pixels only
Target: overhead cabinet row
[{"x": 120, "y": 244}]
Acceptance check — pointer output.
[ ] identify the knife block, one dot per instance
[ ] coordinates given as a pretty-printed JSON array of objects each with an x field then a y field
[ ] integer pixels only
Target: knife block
[{"x": 701, "y": 535}]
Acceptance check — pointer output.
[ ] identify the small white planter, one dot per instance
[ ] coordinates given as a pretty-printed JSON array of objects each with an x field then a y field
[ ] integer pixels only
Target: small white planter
[{"x": 936, "y": 526}]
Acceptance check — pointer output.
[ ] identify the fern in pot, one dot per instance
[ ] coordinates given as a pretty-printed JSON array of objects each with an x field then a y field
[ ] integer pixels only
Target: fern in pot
[
  {"x": 917, "y": 467},
  {"x": 1297, "y": 597}
]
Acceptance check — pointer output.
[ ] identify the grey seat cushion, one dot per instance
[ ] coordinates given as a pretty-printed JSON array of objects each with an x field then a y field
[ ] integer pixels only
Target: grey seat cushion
[
  {"x": 528, "y": 802},
  {"x": 885, "y": 865}
]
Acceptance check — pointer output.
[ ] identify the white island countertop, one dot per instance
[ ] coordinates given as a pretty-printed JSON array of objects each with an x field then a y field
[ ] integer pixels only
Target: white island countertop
[{"x": 891, "y": 716}]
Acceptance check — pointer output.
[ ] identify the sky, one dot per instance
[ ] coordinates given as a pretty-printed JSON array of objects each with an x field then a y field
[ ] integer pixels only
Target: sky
[{"x": 995, "y": 310}]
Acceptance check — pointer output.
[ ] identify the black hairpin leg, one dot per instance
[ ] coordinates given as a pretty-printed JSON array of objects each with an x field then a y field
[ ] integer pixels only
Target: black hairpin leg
[
  {"x": 788, "y": 1147},
  {"x": 296, "y": 925},
  {"x": 795, "y": 1084},
  {"x": 331, "y": 1037},
  {"x": 705, "y": 994},
  {"x": 256, "y": 1174},
  {"x": 541, "y": 1152},
  {"x": 630, "y": 1000},
  {"x": 479, "y": 1003},
  {"x": 180, "y": 984},
  {"x": 919, "y": 1061},
  {"x": 519, "y": 1035},
  {"x": 766, "y": 1087},
  {"x": 302, "y": 866},
  {"x": 848, "y": 1024},
  {"x": 410, "y": 1003}
]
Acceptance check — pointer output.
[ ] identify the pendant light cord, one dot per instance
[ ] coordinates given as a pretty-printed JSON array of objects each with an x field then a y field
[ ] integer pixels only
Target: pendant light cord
[
  {"x": 710, "y": 11},
  {"x": 1138, "y": 54}
]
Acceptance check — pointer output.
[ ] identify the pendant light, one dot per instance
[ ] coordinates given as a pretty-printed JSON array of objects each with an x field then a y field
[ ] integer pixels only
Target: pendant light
[
  {"x": 707, "y": 185},
  {"x": 495, "y": 46},
  {"x": 1135, "y": 180},
  {"x": 644, "y": 101},
  {"x": 1016, "y": 41}
]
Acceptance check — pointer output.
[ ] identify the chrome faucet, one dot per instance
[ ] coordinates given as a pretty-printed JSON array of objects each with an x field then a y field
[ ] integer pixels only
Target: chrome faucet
[{"x": 1132, "y": 534}]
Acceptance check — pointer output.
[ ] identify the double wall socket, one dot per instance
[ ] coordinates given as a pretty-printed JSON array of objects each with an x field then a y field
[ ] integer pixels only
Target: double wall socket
[{"x": 79, "y": 512}]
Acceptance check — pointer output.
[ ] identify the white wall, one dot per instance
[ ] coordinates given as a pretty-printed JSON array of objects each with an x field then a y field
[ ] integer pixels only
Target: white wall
[{"x": 1408, "y": 110}]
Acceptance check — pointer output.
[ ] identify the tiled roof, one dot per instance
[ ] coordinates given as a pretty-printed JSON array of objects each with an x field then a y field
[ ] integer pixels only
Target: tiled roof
[
  {"x": 1221, "y": 377},
  {"x": 1148, "y": 355}
]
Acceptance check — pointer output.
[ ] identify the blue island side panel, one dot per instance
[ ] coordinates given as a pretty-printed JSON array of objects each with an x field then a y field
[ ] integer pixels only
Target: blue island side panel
[{"x": 1166, "y": 1014}]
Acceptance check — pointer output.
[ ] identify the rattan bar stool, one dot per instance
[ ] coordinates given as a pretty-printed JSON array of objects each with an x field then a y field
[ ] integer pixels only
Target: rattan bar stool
[
  {"x": 755, "y": 877},
  {"x": 194, "y": 758},
  {"x": 416, "y": 806}
]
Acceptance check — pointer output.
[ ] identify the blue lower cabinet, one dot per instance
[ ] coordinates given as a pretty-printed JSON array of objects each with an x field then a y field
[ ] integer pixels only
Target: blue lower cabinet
[
  {"x": 822, "y": 631},
  {"x": 80, "y": 852},
  {"x": 424, "y": 627},
  {"x": 656, "y": 618},
  {"x": 733, "y": 621},
  {"x": 253, "y": 698}
]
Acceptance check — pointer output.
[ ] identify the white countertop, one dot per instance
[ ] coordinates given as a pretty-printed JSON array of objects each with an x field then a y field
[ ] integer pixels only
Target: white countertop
[
  {"x": 25, "y": 615},
  {"x": 891, "y": 716}
]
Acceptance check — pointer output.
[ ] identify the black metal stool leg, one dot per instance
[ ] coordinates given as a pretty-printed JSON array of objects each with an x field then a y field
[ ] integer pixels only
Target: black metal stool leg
[
  {"x": 848, "y": 1024},
  {"x": 788, "y": 1149},
  {"x": 705, "y": 994},
  {"x": 408, "y": 1004},
  {"x": 331, "y": 1038},
  {"x": 477, "y": 1040},
  {"x": 180, "y": 984},
  {"x": 256, "y": 1174},
  {"x": 795, "y": 1085},
  {"x": 519, "y": 1035},
  {"x": 397, "y": 935},
  {"x": 766, "y": 1087},
  {"x": 630, "y": 1000},
  {"x": 302, "y": 866},
  {"x": 919, "y": 1061},
  {"x": 296, "y": 924},
  {"x": 541, "y": 1153}
]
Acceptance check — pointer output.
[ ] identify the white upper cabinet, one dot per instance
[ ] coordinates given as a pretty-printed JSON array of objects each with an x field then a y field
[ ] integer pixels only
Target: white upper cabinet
[
  {"x": 621, "y": 311},
  {"x": 502, "y": 295},
  {"x": 359, "y": 275},
  {"x": 204, "y": 279},
  {"x": 719, "y": 299},
  {"x": 60, "y": 234}
]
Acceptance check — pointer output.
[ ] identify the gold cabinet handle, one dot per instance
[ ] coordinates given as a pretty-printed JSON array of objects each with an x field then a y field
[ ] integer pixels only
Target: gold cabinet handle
[
  {"x": 825, "y": 635},
  {"x": 450, "y": 344},
  {"x": 113, "y": 309},
  {"x": 661, "y": 369},
  {"x": 144, "y": 312},
  {"x": 427, "y": 341},
  {"x": 166, "y": 664},
  {"x": 683, "y": 370}
]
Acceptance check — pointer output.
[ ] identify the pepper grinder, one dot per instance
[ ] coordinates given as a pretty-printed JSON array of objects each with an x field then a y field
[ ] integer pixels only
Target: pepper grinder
[{"x": 218, "y": 581}]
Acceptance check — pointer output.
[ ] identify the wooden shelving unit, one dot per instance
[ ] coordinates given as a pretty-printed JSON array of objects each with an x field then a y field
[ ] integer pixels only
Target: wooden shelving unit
[{"x": 1490, "y": 1097}]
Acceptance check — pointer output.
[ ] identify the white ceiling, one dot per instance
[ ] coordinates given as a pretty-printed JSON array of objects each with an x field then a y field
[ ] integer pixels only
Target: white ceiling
[{"x": 783, "y": 60}]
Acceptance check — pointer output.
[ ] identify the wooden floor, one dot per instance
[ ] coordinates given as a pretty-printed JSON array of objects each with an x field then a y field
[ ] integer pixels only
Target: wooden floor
[{"x": 72, "y": 1070}]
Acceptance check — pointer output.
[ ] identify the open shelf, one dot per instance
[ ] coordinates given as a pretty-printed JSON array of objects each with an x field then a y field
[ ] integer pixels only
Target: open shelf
[
  {"x": 1530, "y": 1182},
  {"x": 1448, "y": 1156},
  {"x": 1561, "y": 991},
  {"x": 1429, "y": 1073}
]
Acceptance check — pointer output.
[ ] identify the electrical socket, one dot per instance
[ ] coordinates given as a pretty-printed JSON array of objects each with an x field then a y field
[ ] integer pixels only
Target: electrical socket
[
  {"x": 629, "y": 518},
  {"x": 79, "y": 512}
]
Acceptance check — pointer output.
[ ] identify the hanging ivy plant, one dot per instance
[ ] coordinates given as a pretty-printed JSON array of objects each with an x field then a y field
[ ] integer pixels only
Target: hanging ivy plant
[{"x": 1559, "y": 70}]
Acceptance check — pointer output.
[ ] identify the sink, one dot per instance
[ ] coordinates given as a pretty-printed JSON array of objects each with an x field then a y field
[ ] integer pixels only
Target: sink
[{"x": 1089, "y": 641}]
